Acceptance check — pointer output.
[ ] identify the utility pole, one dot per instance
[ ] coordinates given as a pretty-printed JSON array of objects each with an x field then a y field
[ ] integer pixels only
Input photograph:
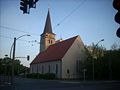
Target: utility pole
[
  {"x": 13, "y": 59},
  {"x": 12, "y": 76},
  {"x": 84, "y": 73}
]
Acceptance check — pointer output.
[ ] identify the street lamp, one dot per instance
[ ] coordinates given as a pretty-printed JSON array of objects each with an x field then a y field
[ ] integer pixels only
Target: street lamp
[
  {"x": 17, "y": 39},
  {"x": 14, "y": 47},
  {"x": 93, "y": 64}
]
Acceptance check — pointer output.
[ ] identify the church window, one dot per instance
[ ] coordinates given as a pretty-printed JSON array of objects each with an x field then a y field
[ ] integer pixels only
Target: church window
[
  {"x": 48, "y": 41},
  {"x": 51, "y": 41},
  {"x": 32, "y": 69},
  {"x": 42, "y": 69},
  {"x": 48, "y": 68},
  {"x": 56, "y": 68},
  {"x": 78, "y": 66},
  {"x": 37, "y": 68},
  {"x": 68, "y": 71}
]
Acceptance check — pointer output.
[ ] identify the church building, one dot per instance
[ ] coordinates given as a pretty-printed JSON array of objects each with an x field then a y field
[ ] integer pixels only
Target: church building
[{"x": 60, "y": 57}]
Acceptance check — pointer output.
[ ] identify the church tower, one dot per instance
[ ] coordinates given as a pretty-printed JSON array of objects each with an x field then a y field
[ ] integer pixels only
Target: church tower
[{"x": 47, "y": 37}]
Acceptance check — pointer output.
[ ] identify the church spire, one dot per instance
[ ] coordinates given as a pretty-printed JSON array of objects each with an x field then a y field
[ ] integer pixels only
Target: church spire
[
  {"x": 47, "y": 37},
  {"x": 48, "y": 27}
]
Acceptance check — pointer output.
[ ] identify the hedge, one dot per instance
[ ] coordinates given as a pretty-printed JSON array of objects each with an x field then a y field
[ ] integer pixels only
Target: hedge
[{"x": 41, "y": 76}]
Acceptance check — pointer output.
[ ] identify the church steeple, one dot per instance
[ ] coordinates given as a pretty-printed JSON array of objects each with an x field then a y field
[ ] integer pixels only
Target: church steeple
[
  {"x": 48, "y": 26},
  {"x": 47, "y": 37}
]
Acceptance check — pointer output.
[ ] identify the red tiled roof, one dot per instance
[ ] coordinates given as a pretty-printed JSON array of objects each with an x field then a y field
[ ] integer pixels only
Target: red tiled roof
[{"x": 54, "y": 52}]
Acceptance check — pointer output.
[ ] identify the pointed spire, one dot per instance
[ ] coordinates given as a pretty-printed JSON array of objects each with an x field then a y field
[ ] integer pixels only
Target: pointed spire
[{"x": 48, "y": 27}]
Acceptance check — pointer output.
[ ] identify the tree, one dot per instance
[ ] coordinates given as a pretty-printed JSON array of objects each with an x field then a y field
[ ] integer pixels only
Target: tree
[
  {"x": 5, "y": 66},
  {"x": 114, "y": 46},
  {"x": 107, "y": 66}
]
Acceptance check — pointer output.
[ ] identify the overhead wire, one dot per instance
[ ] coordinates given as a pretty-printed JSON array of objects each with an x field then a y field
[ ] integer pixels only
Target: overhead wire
[
  {"x": 13, "y": 29},
  {"x": 64, "y": 18},
  {"x": 68, "y": 15},
  {"x": 12, "y": 38}
]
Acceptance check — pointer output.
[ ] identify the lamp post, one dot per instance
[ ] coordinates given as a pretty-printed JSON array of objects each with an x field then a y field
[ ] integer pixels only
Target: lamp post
[
  {"x": 93, "y": 64},
  {"x": 14, "y": 47},
  {"x": 84, "y": 73},
  {"x": 13, "y": 43}
]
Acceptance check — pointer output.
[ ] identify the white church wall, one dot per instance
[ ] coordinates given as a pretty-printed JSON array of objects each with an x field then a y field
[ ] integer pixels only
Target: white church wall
[
  {"x": 75, "y": 52},
  {"x": 47, "y": 67},
  {"x": 33, "y": 68}
]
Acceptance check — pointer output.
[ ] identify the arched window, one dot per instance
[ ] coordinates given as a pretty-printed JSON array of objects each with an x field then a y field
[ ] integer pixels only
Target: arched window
[
  {"x": 42, "y": 69},
  {"x": 48, "y": 68},
  {"x": 51, "y": 41},
  {"x": 56, "y": 70},
  {"x": 68, "y": 71}
]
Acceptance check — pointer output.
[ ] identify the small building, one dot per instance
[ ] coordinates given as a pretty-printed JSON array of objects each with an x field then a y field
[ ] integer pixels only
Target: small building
[{"x": 61, "y": 58}]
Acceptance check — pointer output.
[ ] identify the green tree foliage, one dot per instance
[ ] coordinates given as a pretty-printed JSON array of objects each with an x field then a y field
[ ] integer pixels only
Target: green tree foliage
[
  {"x": 107, "y": 64},
  {"x": 6, "y": 65}
]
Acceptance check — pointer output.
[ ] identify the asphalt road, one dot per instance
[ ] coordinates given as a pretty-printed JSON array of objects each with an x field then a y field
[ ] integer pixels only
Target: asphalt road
[{"x": 34, "y": 84}]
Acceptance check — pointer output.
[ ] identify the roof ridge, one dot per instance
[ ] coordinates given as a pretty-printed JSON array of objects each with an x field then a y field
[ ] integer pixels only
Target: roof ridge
[{"x": 65, "y": 40}]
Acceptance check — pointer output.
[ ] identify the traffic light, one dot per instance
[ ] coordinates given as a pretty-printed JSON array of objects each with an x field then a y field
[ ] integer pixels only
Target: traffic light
[
  {"x": 117, "y": 17},
  {"x": 24, "y": 6},
  {"x": 32, "y": 3},
  {"x": 118, "y": 32},
  {"x": 35, "y": 3},
  {"x": 27, "y": 4},
  {"x": 116, "y": 5}
]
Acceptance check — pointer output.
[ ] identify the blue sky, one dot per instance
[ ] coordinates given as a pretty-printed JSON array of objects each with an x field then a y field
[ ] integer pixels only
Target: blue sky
[{"x": 93, "y": 20}]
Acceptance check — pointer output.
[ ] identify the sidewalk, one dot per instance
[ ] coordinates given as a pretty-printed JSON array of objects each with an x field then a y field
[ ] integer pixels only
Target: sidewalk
[
  {"x": 5, "y": 83},
  {"x": 88, "y": 82}
]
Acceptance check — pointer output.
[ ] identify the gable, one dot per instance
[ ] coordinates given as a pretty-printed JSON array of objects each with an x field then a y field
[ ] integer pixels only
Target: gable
[{"x": 77, "y": 50}]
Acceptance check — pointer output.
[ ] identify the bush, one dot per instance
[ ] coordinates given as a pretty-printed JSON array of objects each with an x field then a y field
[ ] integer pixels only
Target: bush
[{"x": 41, "y": 76}]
